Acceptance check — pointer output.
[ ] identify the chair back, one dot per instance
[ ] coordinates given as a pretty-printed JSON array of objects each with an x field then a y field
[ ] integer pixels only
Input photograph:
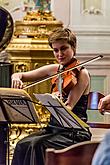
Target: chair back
[
  {"x": 93, "y": 100},
  {"x": 77, "y": 154}
]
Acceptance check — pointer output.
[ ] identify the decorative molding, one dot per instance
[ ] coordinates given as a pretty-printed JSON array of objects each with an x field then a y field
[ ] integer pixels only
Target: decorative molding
[
  {"x": 92, "y": 7},
  {"x": 89, "y": 30}
]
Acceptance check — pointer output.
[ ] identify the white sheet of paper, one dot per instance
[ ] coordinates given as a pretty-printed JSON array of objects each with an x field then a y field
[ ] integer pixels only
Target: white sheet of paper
[{"x": 58, "y": 111}]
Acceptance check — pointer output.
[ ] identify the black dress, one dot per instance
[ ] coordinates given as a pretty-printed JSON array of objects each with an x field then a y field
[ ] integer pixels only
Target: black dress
[{"x": 31, "y": 149}]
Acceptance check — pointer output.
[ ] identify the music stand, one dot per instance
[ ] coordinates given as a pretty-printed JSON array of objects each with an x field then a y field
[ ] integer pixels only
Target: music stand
[
  {"x": 16, "y": 106},
  {"x": 64, "y": 116},
  {"x": 17, "y": 109}
]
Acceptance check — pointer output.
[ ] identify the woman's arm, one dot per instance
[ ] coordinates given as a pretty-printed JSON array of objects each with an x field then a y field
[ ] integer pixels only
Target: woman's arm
[{"x": 34, "y": 75}]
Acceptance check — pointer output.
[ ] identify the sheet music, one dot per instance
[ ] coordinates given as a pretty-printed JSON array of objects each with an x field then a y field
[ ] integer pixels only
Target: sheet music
[
  {"x": 19, "y": 109},
  {"x": 65, "y": 117}
]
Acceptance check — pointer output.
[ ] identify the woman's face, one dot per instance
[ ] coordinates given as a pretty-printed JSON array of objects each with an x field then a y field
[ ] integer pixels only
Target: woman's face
[{"x": 63, "y": 52}]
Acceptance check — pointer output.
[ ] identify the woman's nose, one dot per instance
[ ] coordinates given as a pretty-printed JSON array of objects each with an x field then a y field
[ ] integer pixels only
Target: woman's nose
[{"x": 60, "y": 52}]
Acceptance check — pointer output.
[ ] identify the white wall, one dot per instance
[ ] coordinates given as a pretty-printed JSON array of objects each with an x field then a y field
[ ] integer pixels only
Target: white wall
[
  {"x": 93, "y": 31},
  {"x": 61, "y": 10}
]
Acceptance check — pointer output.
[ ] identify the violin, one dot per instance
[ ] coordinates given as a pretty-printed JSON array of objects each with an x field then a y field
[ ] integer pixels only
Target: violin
[{"x": 69, "y": 78}]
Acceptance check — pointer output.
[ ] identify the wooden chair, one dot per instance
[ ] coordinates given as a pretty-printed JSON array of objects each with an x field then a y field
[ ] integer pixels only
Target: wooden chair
[
  {"x": 93, "y": 100},
  {"x": 77, "y": 154}
]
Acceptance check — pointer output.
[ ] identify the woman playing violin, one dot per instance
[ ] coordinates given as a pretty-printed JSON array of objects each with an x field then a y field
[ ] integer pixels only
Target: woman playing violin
[{"x": 75, "y": 86}]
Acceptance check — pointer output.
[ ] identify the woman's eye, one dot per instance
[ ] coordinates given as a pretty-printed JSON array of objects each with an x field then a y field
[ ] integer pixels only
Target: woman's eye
[
  {"x": 56, "y": 50},
  {"x": 64, "y": 48}
]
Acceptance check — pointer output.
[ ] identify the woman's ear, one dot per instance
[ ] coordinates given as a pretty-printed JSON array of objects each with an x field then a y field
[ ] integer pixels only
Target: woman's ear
[{"x": 74, "y": 49}]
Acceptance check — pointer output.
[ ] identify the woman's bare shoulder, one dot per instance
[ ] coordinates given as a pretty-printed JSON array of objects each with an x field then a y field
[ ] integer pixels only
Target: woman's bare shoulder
[{"x": 85, "y": 72}]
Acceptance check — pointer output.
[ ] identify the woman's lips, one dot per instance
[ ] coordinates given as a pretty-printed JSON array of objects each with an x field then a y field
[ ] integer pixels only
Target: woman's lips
[{"x": 61, "y": 59}]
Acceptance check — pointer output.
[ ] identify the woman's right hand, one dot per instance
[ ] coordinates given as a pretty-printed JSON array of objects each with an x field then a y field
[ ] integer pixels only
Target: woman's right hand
[{"x": 16, "y": 81}]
